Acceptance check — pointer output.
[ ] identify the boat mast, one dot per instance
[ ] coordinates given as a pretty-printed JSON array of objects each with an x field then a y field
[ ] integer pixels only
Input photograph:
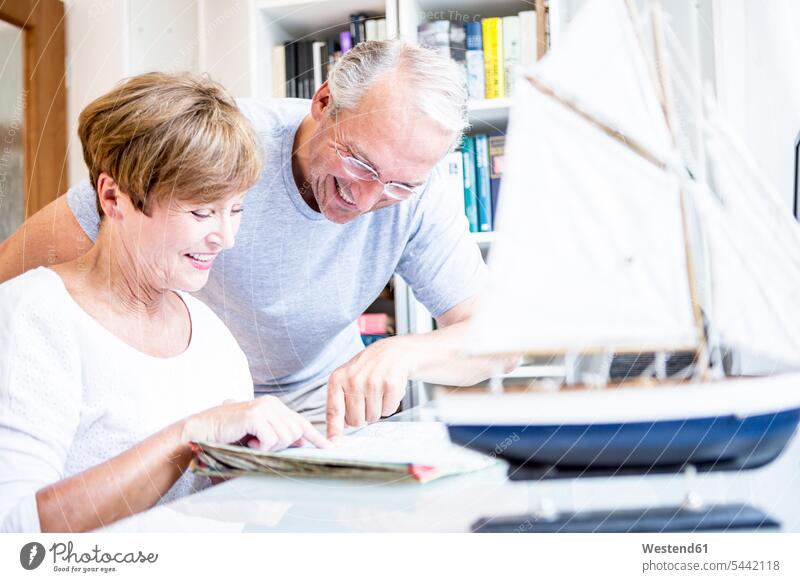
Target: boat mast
[{"x": 665, "y": 96}]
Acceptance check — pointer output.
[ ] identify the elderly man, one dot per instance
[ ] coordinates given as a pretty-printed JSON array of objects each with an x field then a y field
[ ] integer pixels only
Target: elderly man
[{"x": 346, "y": 199}]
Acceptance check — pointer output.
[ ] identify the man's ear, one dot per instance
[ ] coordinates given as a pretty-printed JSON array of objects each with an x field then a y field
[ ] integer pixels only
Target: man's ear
[
  {"x": 109, "y": 195},
  {"x": 320, "y": 102}
]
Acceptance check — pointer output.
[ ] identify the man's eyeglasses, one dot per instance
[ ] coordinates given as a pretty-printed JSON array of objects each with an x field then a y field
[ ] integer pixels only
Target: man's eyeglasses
[{"x": 363, "y": 172}]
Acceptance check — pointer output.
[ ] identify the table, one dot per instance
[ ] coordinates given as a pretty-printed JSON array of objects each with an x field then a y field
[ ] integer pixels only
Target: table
[{"x": 280, "y": 504}]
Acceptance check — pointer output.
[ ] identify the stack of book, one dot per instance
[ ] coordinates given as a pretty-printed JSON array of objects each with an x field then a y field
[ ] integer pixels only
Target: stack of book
[
  {"x": 389, "y": 450},
  {"x": 300, "y": 67},
  {"x": 473, "y": 176},
  {"x": 491, "y": 50},
  {"x": 374, "y": 327}
]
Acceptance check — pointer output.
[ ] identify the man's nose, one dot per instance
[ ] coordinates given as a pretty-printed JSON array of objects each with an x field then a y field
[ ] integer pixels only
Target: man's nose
[{"x": 367, "y": 195}]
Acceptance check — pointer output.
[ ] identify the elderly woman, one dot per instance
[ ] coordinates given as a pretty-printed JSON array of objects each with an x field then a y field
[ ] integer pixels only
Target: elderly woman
[{"x": 108, "y": 367}]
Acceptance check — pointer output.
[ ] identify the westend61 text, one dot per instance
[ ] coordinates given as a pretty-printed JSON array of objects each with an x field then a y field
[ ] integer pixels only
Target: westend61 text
[
  {"x": 65, "y": 553},
  {"x": 671, "y": 549}
]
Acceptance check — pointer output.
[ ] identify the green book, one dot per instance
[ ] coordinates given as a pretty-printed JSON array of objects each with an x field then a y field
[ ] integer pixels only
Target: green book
[
  {"x": 483, "y": 189},
  {"x": 470, "y": 193}
]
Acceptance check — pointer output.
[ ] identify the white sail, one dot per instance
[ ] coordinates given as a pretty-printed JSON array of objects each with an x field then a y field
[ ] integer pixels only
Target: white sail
[
  {"x": 754, "y": 248},
  {"x": 590, "y": 251}
]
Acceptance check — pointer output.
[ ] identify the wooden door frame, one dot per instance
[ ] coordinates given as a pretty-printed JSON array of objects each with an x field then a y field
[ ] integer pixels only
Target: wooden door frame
[{"x": 45, "y": 99}]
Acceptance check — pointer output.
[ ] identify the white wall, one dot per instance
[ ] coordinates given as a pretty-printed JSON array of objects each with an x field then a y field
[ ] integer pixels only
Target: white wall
[
  {"x": 108, "y": 40},
  {"x": 228, "y": 37},
  {"x": 96, "y": 39},
  {"x": 758, "y": 80}
]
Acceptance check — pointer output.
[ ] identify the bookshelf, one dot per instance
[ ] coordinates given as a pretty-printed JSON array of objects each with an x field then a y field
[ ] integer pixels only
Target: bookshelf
[
  {"x": 245, "y": 65},
  {"x": 488, "y": 114},
  {"x": 483, "y": 239}
]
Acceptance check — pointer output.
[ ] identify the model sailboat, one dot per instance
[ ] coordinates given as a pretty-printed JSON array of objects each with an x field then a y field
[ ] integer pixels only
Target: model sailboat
[{"x": 609, "y": 244}]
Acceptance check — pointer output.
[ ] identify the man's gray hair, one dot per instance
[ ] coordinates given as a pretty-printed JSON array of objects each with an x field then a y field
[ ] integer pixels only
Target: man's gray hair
[{"x": 436, "y": 83}]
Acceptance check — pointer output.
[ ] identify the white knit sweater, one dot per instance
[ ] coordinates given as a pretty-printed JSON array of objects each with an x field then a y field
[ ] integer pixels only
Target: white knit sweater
[{"x": 73, "y": 395}]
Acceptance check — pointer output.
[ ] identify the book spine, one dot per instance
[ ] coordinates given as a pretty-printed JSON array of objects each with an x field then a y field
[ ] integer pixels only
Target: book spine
[
  {"x": 476, "y": 84},
  {"x": 382, "y": 29},
  {"x": 305, "y": 68},
  {"x": 510, "y": 52},
  {"x": 373, "y": 323},
  {"x": 371, "y": 338},
  {"x": 333, "y": 49},
  {"x": 493, "y": 57},
  {"x": 323, "y": 53},
  {"x": 435, "y": 35},
  {"x": 362, "y": 27},
  {"x": 458, "y": 42},
  {"x": 371, "y": 28},
  {"x": 470, "y": 197},
  {"x": 497, "y": 149},
  {"x": 317, "y": 58},
  {"x": 527, "y": 38},
  {"x": 483, "y": 190},
  {"x": 309, "y": 76},
  {"x": 279, "y": 71},
  {"x": 452, "y": 172},
  {"x": 474, "y": 36},
  {"x": 358, "y": 28},
  {"x": 300, "y": 90},
  {"x": 354, "y": 30},
  {"x": 345, "y": 41},
  {"x": 291, "y": 68}
]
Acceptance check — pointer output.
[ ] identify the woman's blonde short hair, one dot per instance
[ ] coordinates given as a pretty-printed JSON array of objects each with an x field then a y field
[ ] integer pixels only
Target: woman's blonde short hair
[{"x": 162, "y": 135}]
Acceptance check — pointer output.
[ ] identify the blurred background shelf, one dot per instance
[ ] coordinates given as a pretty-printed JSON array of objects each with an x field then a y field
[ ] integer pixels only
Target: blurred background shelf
[{"x": 489, "y": 115}]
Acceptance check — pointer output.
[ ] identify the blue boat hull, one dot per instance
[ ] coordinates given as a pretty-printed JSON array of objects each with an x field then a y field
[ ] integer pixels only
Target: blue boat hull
[{"x": 722, "y": 442}]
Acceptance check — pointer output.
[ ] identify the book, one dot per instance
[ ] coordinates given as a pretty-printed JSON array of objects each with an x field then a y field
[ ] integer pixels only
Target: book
[
  {"x": 415, "y": 451},
  {"x": 290, "y": 51},
  {"x": 470, "y": 195},
  {"x": 305, "y": 68},
  {"x": 435, "y": 35},
  {"x": 371, "y": 28},
  {"x": 382, "y": 29},
  {"x": 358, "y": 28},
  {"x": 451, "y": 170},
  {"x": 458, "y": 42},
  {"x": 362, "y": 27},
  {"x": 370, "y": 338},
  {"x": 511, "y": 52},
  {"x": 483, "y": 191},
  {"x": 473, "y": 61},
  {"x": 527, "y": 39},
  {"x": 309, "y": 76},
  {"x": 373, "y": 323},
  {"x": 279, "y": 71},
  {"x": 345, "y": 41},
  {"x": 473, "y": 33},
  {"x": 334, "y": 52},
  {"x": 493, "y": 57},
  {"x": 497, "y": 150},
  {"x": 320, "y": 63}
]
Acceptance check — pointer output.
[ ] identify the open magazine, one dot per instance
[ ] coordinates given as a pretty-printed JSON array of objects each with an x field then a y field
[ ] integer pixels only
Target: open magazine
[{"x": 419, "y": 451}]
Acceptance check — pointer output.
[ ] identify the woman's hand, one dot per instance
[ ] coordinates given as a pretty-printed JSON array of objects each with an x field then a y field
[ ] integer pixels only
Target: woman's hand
[{"x": 264, "y": 423}]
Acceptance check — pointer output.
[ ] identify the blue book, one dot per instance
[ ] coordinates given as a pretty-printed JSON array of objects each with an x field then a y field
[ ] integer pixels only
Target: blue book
[
  {"x": 497, "y": 149},
  {"x": 371, "y": 338},
  {"x": 474, "y": 32},
  {"x": 473, "y": 57},
  {"x": 470, "y": 198},
  {"x": 483, "y": 189}
]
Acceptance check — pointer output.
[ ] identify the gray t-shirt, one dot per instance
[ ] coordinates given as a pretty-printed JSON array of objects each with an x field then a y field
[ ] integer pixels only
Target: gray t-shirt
[{"x": 294, "y": 284}]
